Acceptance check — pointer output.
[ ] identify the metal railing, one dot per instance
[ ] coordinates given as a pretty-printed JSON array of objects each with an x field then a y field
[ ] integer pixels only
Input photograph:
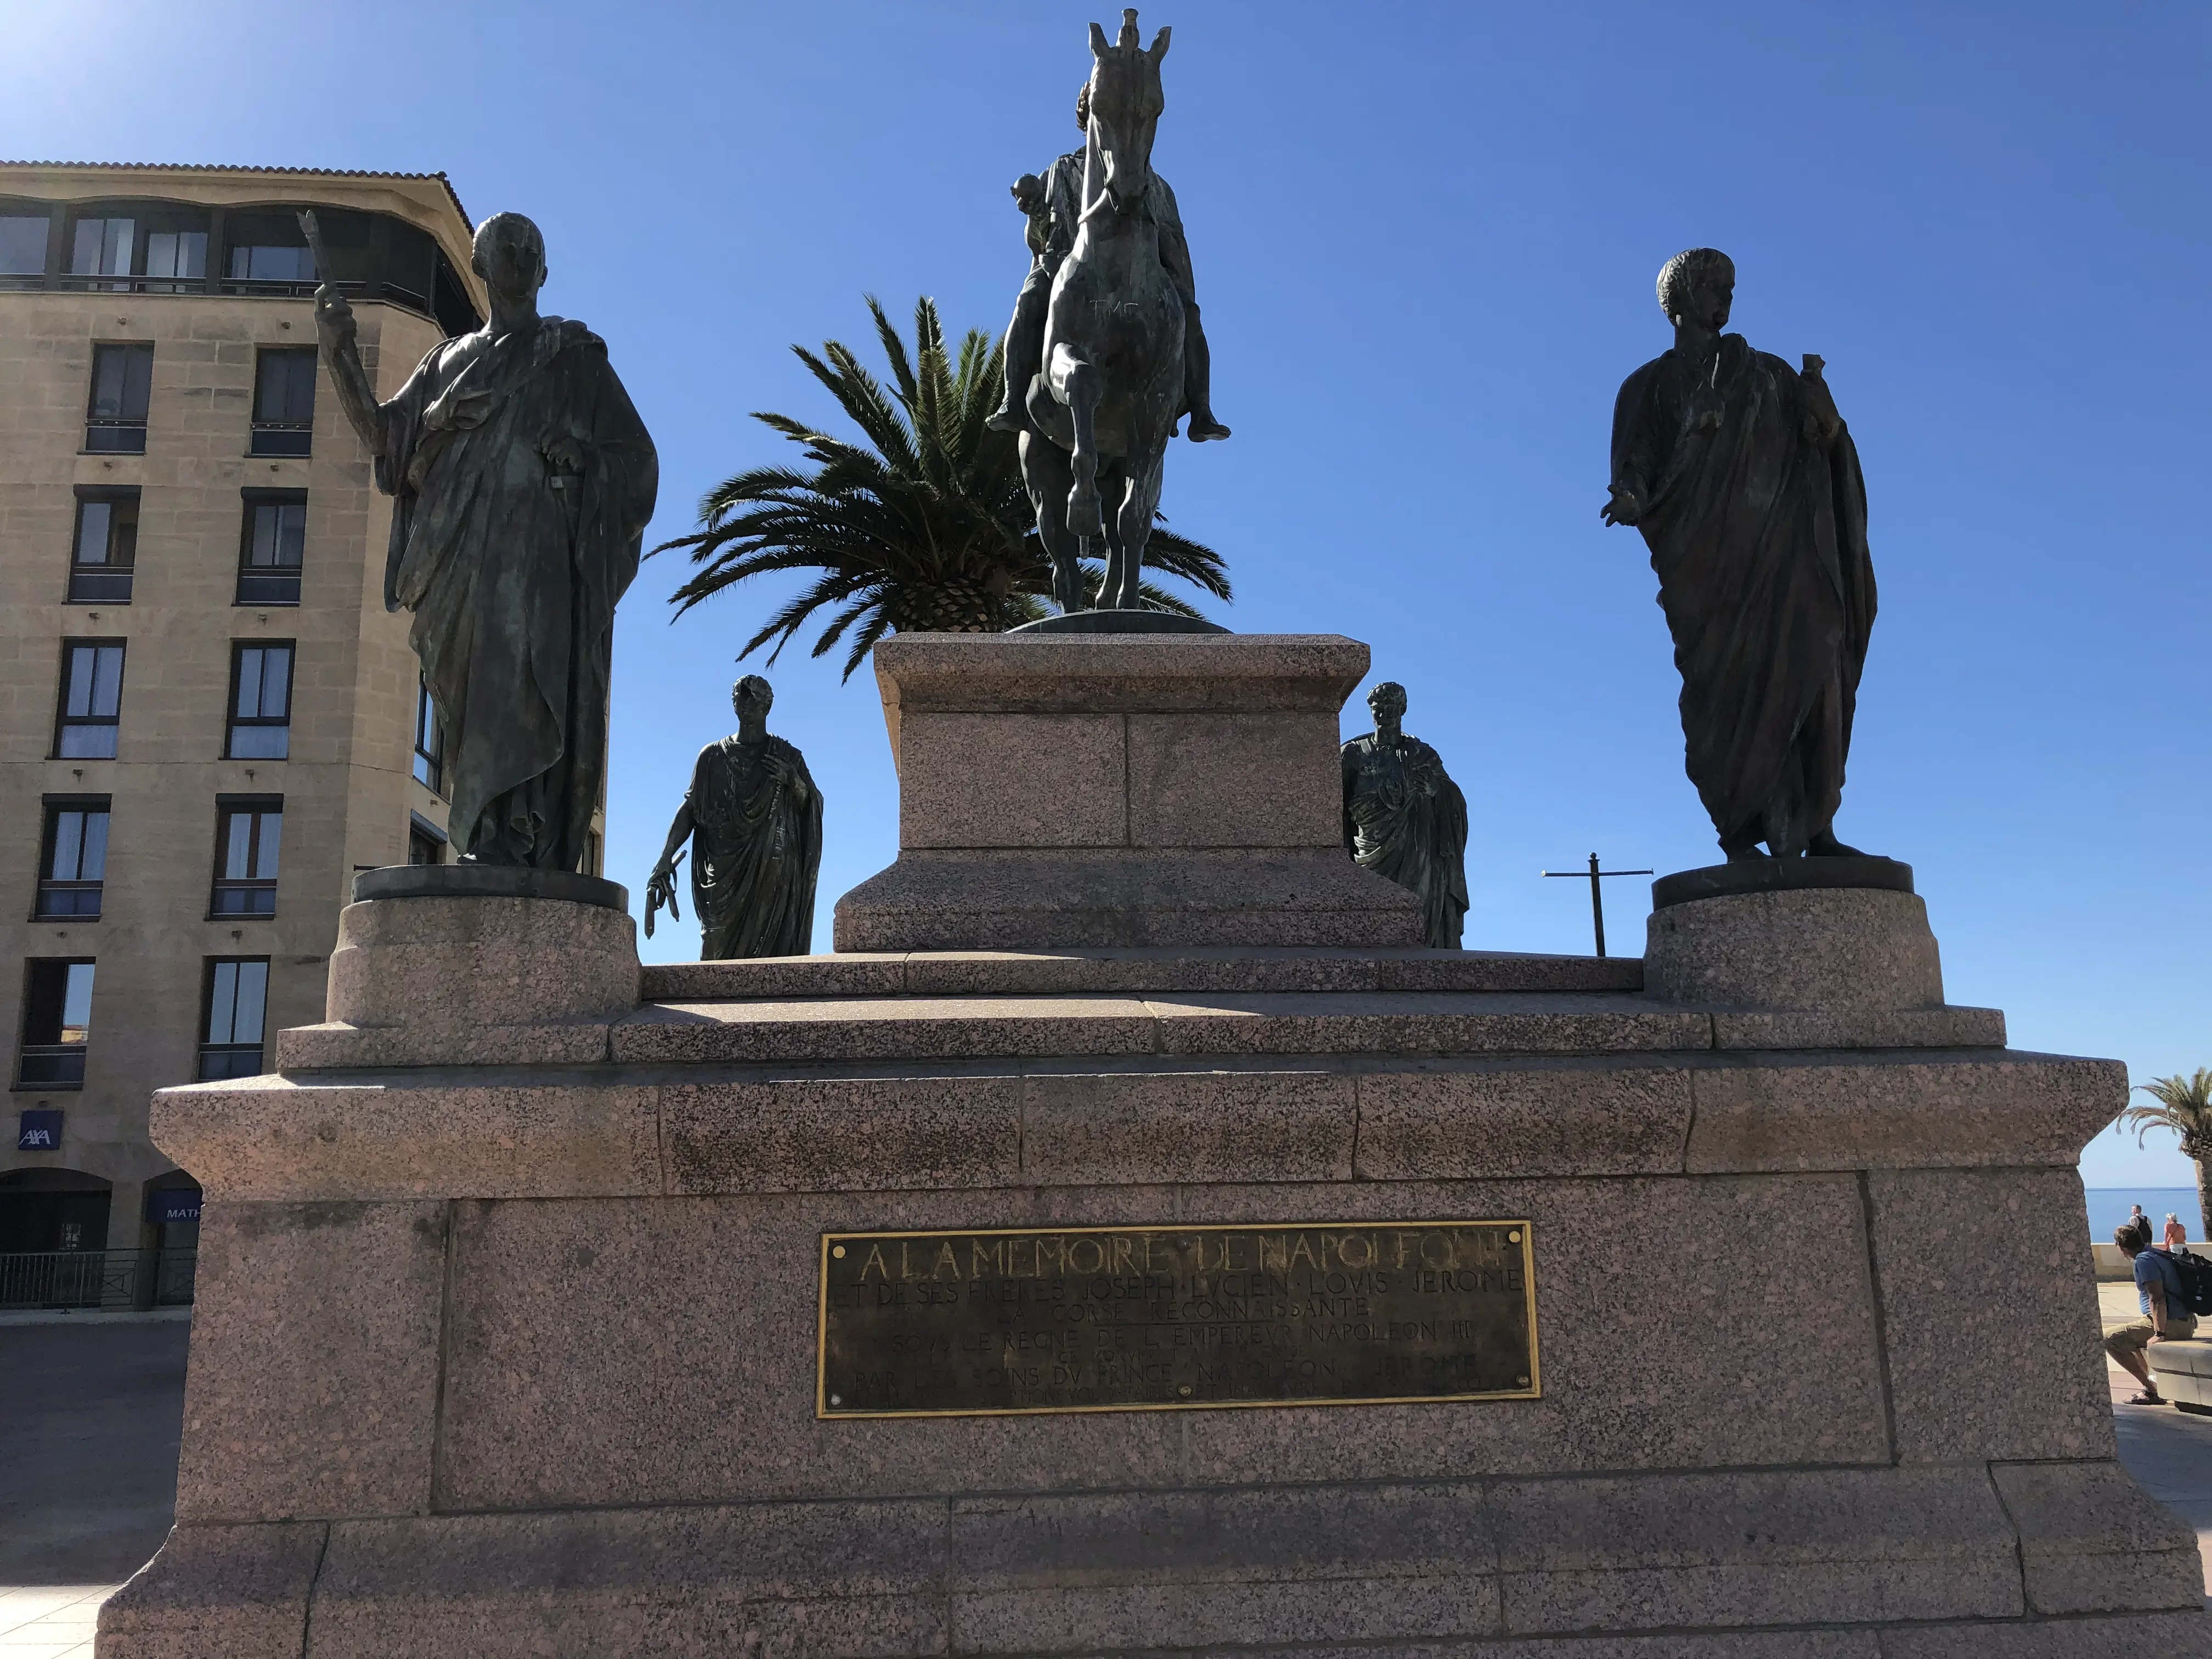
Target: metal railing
[{"x": 96, "y": 1279}]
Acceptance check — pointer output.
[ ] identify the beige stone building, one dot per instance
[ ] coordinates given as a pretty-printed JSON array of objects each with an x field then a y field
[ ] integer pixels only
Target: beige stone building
[{"x": 208, "y": 720}]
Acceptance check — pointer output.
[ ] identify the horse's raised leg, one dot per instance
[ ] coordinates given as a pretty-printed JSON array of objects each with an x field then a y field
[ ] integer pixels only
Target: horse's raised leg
[
  {"x": 1045, "y": 477},
  {"x": 1077, "y": 383}
]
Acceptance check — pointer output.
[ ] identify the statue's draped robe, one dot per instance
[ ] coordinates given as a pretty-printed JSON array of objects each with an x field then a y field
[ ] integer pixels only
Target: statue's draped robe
[
  {"x": 514, "y": 581},
  {"x": 1405, "y": 820},
  {"x": 1754, "y": 510},
  {"x": 755, "y": 851}
]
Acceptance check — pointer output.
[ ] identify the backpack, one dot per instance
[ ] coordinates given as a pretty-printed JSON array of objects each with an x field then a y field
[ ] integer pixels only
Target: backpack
[{"x": 2196, "y": 1281}]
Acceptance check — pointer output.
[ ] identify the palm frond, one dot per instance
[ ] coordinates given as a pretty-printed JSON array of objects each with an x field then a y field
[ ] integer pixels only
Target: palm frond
[{"x": 922, "y": 524}]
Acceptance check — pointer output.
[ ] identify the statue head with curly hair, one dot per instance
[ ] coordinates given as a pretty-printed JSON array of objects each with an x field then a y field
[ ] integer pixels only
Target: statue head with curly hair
[{"x": 1697, "y": 285}]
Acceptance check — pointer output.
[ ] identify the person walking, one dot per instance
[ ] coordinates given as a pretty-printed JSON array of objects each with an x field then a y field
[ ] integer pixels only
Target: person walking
[{"x": 2177, "y": 1233}]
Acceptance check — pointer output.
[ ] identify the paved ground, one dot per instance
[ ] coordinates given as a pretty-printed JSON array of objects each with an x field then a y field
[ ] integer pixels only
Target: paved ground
[{"x": 94, "y": 1410}]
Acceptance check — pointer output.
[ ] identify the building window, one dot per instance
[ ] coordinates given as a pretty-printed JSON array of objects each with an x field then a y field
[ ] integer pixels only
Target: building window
[
  {"x": 57, "y": 1024},
  {"x": 248, "y": 834},
  {"x": 105, "y": 551},
  {"x": 156, "y": 253},
  {"x": 103, "y": 248},
  {"x": 430, "y": 741},
  {"x": 236, "y": 997},
  {"x": 283, "y": 401},
  {"x": 271, "y": 545},
  {"x": 23, "y": 244},
  {"x": 91, "y": 700},
  {"x": 260, "y": 703},
  {"x": 268, "y": 247},
  {"x": 73, "y": 857},
  {"x": 426, "y": 842},
  {"x": 122, "y": 382},
  {"x": 175, "y": 257}
]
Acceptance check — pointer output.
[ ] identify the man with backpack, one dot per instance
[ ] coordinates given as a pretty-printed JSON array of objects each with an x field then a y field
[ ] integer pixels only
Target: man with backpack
[{"x": 2166, "y": 1316}]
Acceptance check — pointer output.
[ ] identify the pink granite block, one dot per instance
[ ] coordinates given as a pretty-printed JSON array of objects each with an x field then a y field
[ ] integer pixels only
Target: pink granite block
[
  {"x": 216, "y": 1592},
  {"x": 1018, "y": 781},
  {"x": 450, "y": 1134},
  {"x": 1843, "y": 1111},
  {"x": 313, "y": 1387},
  {"x": 832, "y": 1134},
  {"x": 1046, "y": 899},
  {"x": 1808, "y": 1547},
  {"x": 699, "y": 1384},
  {"x": 1119, "y": 1128},
  {"x": 1982, "y": 1365},
  {"x": 1234, "y": 780},
  {"x": 776, "y": 978},
  {"x": 459, "y": 961},
  {"x": 860, "y": 1579},
  {"x": 2092, "y": 1541},
  {"x": 1832, "y": 950},
  {"x": 1476, "y": 1119},
  {"x": 334, "y": 1046},
  {"x": 894, "y": 1028},
  {"x": 2128, "y": 1636},
  {"x": 1431, "y": 1022},
  {"x": 1948, "y": 1027},
  {"x": 1643, "y": 1317}
]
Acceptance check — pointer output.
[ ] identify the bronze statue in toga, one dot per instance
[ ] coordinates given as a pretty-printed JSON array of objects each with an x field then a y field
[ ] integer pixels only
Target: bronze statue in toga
[
  {"x": 754, "y": 819},
  {"x": 1746, "y": 484},
  {"x": 1405, "y": 819},
  {"x": 522, "y": 481}
]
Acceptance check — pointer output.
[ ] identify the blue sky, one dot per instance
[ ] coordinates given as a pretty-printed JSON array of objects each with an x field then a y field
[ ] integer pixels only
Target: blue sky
[{"x": 1426, "y": 237}]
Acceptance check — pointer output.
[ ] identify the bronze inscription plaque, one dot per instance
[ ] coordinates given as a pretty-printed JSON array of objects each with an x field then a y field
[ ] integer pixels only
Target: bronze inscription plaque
[{"x": 1089, "y": 1319}]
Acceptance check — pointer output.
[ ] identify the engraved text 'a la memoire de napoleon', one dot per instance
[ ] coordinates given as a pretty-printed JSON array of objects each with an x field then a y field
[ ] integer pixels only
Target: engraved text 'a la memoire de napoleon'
[{"x": 1161, "y": 1318}]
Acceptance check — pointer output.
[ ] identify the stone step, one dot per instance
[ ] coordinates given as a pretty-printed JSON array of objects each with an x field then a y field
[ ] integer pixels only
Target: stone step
[
  {"x": 998, "y": 973},
  {"x": 1247, "y": 1023}
]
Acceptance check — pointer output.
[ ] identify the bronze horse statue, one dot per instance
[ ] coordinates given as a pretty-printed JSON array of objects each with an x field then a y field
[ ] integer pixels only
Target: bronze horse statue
[{"x": 1106, "y": 401}]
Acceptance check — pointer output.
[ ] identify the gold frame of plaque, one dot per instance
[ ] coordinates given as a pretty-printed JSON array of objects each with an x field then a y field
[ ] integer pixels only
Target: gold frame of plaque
[{"x": 1152, "y": 1325}]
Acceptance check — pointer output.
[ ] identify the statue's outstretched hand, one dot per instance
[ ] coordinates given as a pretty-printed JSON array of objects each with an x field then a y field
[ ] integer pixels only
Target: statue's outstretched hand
[
  {"x": 1623, "y": 508},
  {"x": 334, "y": 320}
]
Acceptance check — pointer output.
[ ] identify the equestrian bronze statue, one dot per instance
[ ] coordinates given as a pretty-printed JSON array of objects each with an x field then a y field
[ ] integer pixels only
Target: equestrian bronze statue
[{"x": 1105, "y": 353}]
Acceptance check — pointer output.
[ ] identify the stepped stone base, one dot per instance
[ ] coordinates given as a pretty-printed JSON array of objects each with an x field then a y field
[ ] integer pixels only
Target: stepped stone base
[
  {"x": 1068, "y": 789},
  {"x": 509, "y": 1313}
]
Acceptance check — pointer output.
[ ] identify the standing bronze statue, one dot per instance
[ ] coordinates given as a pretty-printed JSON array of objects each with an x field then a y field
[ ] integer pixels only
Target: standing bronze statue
[
  {"x": 523, "y": 480},
  {"x": 754, "y": 818},
  {"x": 1746, "y": 484},
  {"x": 1105, "y": 353},
  {"x": 1405, "y": 819}
]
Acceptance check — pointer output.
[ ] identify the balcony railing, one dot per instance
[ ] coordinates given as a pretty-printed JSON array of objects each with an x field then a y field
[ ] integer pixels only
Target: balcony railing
[
  {"x": 96, "y": 1279},
  {"x": 52, "y": 1066},
  {"x": 108, "y": 434},
  {"x": 282, "y": 438}
]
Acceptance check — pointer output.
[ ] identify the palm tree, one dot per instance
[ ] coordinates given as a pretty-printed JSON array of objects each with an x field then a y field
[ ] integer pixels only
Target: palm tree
[
  {"x": 924, "y": 527},
  {"x": 2184, "y": 1106}
]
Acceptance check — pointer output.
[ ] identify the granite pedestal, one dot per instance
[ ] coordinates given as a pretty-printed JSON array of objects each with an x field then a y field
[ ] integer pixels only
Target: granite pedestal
[{"x": 517, "y": 1356}]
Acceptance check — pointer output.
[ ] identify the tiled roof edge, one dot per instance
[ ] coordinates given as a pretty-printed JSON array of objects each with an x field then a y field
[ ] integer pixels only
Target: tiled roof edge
[{"x": 452, "y": 194}]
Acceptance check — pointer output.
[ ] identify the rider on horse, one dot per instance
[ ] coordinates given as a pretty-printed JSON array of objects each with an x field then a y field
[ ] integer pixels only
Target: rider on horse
[{"x": 1054, "y": 206}]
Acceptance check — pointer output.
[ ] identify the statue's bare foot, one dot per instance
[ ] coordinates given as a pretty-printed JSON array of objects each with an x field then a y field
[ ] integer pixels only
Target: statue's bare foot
[
  {"x": 1205, "y": 428},
  {"x": 1826, "y": 846},
  {"x": 1005, "y": 418}
]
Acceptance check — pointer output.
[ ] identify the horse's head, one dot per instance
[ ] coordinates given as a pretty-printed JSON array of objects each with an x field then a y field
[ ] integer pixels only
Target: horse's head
[{"x": 1125, "y": 102}]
